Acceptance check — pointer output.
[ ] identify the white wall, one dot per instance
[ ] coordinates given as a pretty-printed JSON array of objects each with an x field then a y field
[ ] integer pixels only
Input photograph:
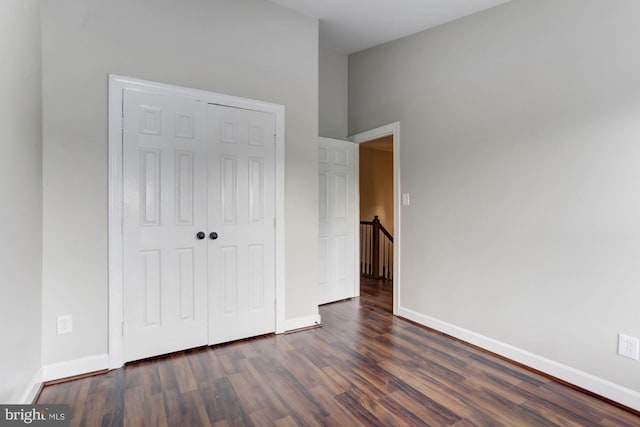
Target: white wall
[
  {"x": 521, "y": 150},
  {"x": 21, "y": 195},
  {"x": 248, "y": 48},
  {"x": 333, "y": 93}
]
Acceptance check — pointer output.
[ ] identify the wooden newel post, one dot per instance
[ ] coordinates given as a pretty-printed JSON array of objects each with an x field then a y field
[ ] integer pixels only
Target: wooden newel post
[{"x": 376, "y": 247}]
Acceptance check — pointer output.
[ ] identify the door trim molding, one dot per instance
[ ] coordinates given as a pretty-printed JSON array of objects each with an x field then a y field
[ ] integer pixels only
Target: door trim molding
[
  {"x": 359, "y": 138},
  {"x": 117, "y": 84}
]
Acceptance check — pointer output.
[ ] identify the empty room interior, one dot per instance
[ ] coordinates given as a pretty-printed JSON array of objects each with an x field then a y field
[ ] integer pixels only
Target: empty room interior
[{"x": 187, "y": 186}]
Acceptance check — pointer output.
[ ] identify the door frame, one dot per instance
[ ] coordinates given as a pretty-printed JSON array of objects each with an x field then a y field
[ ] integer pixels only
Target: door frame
[
  {"x": 369, "y": 135},
  {"x": 117, "y": 84}
]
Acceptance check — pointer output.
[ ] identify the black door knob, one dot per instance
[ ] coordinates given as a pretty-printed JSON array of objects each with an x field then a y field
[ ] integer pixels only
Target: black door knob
[
  {"x": 201, "y": 235},
  {"x": 213, "y": 235}
]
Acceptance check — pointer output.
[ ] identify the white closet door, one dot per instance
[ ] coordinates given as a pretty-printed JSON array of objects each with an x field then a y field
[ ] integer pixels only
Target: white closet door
[
  {"x": 337, "y": 194},
  {"x": 242, "y": 213},
  {"x": 165, "y": 206}
]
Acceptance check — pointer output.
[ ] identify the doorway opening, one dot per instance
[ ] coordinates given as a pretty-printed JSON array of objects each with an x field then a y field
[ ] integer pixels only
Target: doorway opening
[
  {"x": 376, "y": 220},
  {"x": 379, "y": 214}
]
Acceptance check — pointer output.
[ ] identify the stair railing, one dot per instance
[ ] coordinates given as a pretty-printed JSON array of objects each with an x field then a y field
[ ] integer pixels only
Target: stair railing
[{"x": 376, "y": 250}]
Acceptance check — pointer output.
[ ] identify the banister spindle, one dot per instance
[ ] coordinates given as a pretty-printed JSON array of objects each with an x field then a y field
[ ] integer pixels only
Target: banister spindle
[
  {"x": 376, "y": 246},
  {"x": 376, "y": 250}
]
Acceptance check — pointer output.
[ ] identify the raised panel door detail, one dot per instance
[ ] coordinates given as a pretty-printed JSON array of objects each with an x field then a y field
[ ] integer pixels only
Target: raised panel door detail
[
  {"x": 323, "y": 155},
  {"x": 229, "y": 189},
  {"x": 341, "y": 158},
  {"x": 228, "y": 132},
  {"x": 230, "y": 278},
  {"x": 152, "y": 282},
  {"x": 256, "y": 135},
  {"x": 184, "y": 188},
  {"x": 150, "y": 187},
  {"x": 341, "y": 193},
  {"x": 256, "y": 191},
  {"x": 324, "y": 196},
  {"x": 185, "y": 125},
  {"x": 150, "y": 120},
  {"x": 186, "y": 284},
  {"x": 256, "y": 276}
]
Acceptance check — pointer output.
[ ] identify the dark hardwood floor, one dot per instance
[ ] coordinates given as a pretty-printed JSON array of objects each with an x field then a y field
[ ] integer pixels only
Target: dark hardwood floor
[
  {"x": 377, "y": 293},
  {"x": 363, "y": 367}
]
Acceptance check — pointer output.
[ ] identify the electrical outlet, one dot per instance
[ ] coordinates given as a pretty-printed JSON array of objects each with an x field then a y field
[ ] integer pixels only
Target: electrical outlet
[
  {"x": 406, "y": 199},
  {"x": 65, "y": 324},
  {"x": 628, "y": 346}
]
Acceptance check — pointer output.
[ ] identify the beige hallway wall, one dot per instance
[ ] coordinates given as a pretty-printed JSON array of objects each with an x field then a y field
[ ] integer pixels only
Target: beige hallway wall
[{"x": 376, "y": 185}]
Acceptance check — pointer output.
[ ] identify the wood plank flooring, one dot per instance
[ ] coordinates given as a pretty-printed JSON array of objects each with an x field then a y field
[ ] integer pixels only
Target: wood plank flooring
[{"x": 362, "y": 368}]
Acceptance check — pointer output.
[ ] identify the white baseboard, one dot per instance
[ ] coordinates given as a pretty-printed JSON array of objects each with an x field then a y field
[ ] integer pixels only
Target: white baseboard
[
  {"x": 301, "y": 322},
  {"x": 75, "y": 367},
  {"x": 32, "y": 390},
  {"x": 566, "y": 373}
]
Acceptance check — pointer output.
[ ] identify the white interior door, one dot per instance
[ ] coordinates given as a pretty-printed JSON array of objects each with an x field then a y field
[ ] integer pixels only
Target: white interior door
[
  {"x": 242, "y": 213},
  {"x": 165, "y": 206},
  {"x": 191, "y": 169},
  {"x": 337, "y": 194}
]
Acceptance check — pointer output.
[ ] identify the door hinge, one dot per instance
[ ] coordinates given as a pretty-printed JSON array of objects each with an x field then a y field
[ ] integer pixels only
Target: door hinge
[
  {"x": 275, "y": 138},
  {"x": 275, "y": 222},
  {"x": 122, "y": 123},
  {"x": 123, "y": 329}
]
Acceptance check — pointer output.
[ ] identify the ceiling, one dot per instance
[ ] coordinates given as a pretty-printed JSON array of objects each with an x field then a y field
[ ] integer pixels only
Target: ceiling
[{"x": 349, "y": 26}]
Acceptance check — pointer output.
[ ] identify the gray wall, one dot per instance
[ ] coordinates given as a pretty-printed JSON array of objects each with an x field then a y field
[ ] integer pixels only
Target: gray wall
[
  {"x": 333, "y": 93},
  {"x": 21, "y": 195},
  {"x": 520, "y": 146},
  {"x": 247, "y": 48}
]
